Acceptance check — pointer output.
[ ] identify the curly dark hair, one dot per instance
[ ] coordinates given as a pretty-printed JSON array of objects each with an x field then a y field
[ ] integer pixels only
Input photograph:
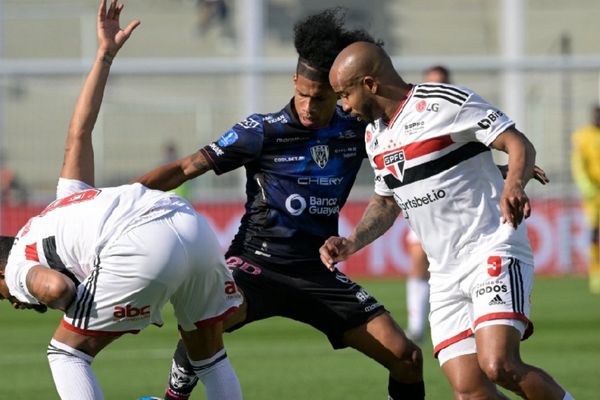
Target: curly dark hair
[
  {"x": 320, "y": 37},
  {"x": 6, "y": 243}
]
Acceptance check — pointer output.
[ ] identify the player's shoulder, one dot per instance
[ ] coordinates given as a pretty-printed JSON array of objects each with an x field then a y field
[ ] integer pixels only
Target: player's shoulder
[{"x": 446, "y": 92}]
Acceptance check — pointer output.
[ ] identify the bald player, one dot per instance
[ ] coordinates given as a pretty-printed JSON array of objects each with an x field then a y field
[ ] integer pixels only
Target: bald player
[{"x": 429, "y": 146}]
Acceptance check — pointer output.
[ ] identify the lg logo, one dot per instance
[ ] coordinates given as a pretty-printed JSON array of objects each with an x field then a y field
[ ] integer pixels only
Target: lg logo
[{"x": 295, "y": 204}]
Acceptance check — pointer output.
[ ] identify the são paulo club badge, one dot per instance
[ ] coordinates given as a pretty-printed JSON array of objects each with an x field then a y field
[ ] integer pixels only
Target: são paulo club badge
[{"x": 394, "y": 162}]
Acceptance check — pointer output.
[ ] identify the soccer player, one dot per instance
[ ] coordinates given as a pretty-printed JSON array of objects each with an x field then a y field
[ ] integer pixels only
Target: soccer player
[
  {"x": 300, "y": 164},
  {"x": 429, "y": 146},
  {"x": 585, "y": 165},
  {"x": 111, "y": 258}
]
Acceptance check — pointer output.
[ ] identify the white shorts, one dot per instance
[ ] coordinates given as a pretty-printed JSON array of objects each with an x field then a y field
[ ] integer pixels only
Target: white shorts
[
  {"x": 495, "y": 291},
  {"x": 175, "y": 258}
]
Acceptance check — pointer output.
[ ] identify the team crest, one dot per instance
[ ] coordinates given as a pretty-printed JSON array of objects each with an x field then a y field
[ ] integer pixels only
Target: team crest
[
  {"x": 320, "y": 154},
  {"x": 394, "y": 162}
]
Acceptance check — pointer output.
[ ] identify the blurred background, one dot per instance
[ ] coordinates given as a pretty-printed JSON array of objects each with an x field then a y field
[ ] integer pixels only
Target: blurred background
[{"x": 196, "y": 67}]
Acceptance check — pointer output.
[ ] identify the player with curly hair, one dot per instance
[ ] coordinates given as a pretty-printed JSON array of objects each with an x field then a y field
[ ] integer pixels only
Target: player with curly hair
[{"x": 301, "y": 163}]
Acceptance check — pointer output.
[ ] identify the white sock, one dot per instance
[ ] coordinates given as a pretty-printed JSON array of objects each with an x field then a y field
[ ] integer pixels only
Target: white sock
[
  {"x": 568, "y": 396},
  {"x": 417, "y": 301},
  {"x": 72, "y": 373},
  {"x": 218, "y": 377}
]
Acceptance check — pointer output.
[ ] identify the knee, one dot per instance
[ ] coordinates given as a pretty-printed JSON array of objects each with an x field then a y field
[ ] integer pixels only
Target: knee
[
  {"x": 500, "y": 371},
  {"x": 408, "y": 359}
]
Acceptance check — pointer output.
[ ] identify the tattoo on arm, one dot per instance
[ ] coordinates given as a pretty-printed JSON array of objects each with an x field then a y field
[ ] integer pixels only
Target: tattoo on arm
[{"x": 379, "y": 216}]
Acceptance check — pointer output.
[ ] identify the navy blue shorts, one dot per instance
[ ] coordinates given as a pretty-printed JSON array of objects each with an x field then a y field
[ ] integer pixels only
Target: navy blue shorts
[{"x": 328, "y": 301}]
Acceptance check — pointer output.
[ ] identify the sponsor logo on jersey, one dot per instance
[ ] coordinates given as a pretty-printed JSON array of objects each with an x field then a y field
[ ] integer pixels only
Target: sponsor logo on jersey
[
  {"x": 490, "y": 119},
  {"x": 414, "y": 127},
  {"x": 349, "y": 134},
  {"x": 320, "y": 180},
  {"x": 320, "y": 154},
  {"x": 216, "y": 149},
  {"x": 229, "y": 138},
  {"x": 417, "y": 202},
  {"x": 424, "y": 106},
  {"x": 288, "y": 159},
  {"x": 129, "y": 312},
  {"x": 342, "y": 278},
  {"x": 394, "y": 162},
  {"x": 295, "y": 204},
  {"x": 280, "y": 118},
  {"x": 249, "y": 123},
  {"x": 497, "y": 300},
  {"x": 290, "y": 139},
  {"x": 490, "y": 287},
  {"x": 362, "y": 296}
]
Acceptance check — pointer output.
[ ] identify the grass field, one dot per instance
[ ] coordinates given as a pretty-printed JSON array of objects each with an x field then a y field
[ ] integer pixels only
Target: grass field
[{"x": 281, "y": 359}]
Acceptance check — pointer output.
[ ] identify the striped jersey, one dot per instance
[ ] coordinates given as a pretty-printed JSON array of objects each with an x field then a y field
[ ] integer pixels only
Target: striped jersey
[
  {"x": 70, "y": 233},
  {"x": 433, "y": 157}
]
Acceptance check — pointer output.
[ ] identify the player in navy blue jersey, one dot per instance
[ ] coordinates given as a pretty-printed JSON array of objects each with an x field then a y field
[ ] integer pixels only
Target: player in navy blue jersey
[{"x": 300, "y": 164}]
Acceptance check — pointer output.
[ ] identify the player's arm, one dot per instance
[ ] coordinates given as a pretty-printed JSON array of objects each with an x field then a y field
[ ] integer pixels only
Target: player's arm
[
  {"x": 514, "y": 203},
  {"x": 79, "y": 155},
  {"x": 171, "y": 175},
  {"x": 538, "y": 173},
  {"x": 50, "y": 287},
  {"x": 379, "y": 216}
]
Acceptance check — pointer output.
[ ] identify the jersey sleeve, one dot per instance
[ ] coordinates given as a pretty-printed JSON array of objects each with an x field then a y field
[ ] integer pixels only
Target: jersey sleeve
[
  {"x": 238, "y": 146},
  {"x": 16, "y": 272},
  {"x": 67, "y": 187},
  {"x": 479, "y": 121}
]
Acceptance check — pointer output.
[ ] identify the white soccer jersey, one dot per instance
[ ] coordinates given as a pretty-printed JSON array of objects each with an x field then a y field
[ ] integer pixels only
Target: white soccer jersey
[
  {"x": 70, "y": 233},
  {"x": 433, "y": 157}
]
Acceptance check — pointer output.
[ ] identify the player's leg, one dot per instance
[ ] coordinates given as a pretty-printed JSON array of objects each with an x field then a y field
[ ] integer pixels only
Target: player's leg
[
  {"x": 201, "y": 303},
  {"x": 417, "y": 289},
  {"x": 70, "y": 355},
  {"x": 382, "y": 339},
  {"x": 460, "y": 365},
  {"x": 209, "y": 361},
  {"x": 499, "y": 358}
]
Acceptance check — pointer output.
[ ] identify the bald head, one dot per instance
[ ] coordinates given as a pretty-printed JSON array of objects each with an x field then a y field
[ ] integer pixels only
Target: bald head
[{"x": 360, "y": 59}]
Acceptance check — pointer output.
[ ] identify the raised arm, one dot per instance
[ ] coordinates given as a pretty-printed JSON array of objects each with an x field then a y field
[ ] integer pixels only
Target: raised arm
[
  {"x": 379, "y": 216},
  {"x": 514, "y": 203},
  {"x": 79, "y": 154},
  {"x": 171, "y": 175}
]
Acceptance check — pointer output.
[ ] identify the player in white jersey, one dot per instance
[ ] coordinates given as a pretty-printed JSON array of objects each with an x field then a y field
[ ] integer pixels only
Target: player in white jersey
[
  {"x": 429, "y": 146},
  {"x": 111, "y": 258}
]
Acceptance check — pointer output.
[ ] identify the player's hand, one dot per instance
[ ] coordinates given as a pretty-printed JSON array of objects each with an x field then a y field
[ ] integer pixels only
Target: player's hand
[
  {"x": 110, "y": 35},
  {"x": 538, "y": 173},
  {"x": 334, "y": 250},
  {"x": 514, "y": 204}
]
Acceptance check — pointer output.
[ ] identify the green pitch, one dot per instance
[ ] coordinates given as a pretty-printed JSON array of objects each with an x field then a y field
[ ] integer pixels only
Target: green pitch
[{"x": 281, "y": 359}]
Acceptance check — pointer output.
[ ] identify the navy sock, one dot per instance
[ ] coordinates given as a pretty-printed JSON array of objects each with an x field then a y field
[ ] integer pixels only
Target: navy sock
[
  {"x": 182, "y": 378},
  {"x": 407, "y": 391}
]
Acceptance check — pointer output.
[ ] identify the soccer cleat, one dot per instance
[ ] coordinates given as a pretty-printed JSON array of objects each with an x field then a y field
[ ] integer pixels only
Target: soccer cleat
[{"x": 149, "y": 398}]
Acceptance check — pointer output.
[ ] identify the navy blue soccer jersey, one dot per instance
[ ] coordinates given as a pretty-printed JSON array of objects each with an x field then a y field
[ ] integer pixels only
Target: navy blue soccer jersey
[{"x": 298, "y": 179}]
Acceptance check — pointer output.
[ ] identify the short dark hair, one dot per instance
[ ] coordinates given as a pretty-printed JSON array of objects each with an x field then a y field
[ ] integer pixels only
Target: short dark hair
[
  {"x": 6, "y": 243},
  {"x": 320, "y": 37}
]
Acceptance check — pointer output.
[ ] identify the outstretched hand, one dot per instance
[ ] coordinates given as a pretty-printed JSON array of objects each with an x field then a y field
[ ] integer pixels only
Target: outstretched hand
[{"x": 110, "y": 35}]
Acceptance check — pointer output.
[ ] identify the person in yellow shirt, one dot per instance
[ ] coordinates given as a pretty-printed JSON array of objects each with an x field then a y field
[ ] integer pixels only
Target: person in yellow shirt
[{"x": 585, "y": 164}]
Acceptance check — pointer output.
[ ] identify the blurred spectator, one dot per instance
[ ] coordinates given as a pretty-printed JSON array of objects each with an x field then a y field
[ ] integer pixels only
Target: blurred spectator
[
  {"x": 12, "y": 191},
  {"x": 211, "y": 12},
  {"x": 585, "y": 164},
  {"x": 437, "y": 73}
]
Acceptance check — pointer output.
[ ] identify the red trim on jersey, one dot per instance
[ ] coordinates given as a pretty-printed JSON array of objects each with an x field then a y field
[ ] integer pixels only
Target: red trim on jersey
[
  {"x": 508, "y": 315},
  {"x": 417, "y": 149},
  {"x": 400, "y": 107},
  {"x": 211, "y": 321},
  {"x": 87, "y": 332},
  {"x": 451, "y": 341},
  {"x": 31, "y": 252}
]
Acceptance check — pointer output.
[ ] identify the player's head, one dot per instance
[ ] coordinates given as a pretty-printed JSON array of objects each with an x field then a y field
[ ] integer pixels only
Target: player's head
[
  {"x": 596, "y": 115},
  {"x": 6, "y": 243},
  {"x": 437, "y": 73},
  {"x": 318, "y": 40},
  {"x": 364, "y": 78}
]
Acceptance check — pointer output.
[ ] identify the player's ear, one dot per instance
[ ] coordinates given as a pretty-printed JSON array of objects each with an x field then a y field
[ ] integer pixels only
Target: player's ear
[{"x": 370, "y": 83}]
